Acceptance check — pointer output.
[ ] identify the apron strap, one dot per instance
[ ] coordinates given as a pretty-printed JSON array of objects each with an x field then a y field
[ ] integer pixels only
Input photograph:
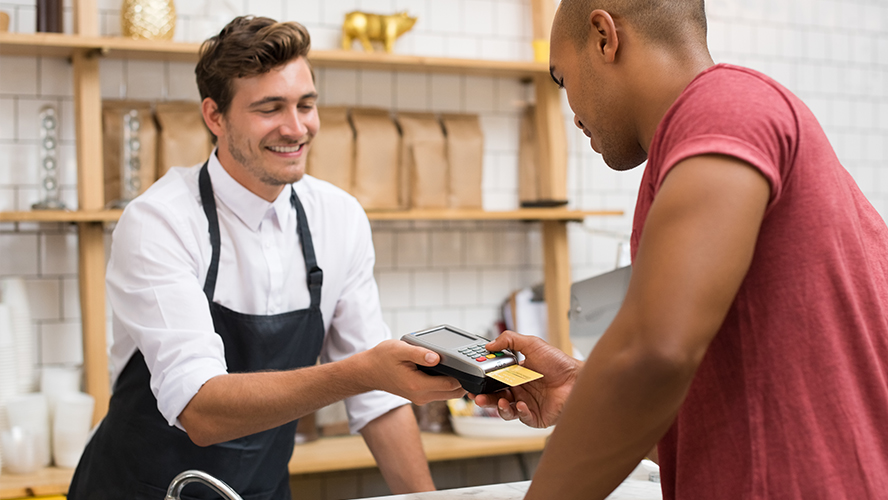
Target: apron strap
[
  {"x": 314, "y": 273},
  {"x": 209, "y": 205}
]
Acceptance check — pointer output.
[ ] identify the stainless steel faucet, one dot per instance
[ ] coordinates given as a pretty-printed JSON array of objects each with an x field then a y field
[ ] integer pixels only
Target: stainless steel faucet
[{"x": 196, "y": 476}]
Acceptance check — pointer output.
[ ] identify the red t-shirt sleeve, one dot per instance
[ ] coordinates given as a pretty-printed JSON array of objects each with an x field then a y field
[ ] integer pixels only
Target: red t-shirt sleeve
[{"x": 717, "y": 119}]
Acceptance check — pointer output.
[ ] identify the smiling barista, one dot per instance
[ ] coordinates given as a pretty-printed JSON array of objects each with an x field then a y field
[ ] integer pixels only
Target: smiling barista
[{"x": 229, "y": 279}]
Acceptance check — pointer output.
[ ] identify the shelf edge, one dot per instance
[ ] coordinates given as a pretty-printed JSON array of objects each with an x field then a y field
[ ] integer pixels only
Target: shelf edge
[
  {"x": 65, "y": 45},
  {"x": 526, "y": 214},
  {"x": 62, "y": 216}
]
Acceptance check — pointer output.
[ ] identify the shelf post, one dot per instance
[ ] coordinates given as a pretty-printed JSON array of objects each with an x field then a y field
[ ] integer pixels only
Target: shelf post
[
  {"x": 88, "y": 128},
  {"x": 542, "y": 13},
  {"x": 91, "y": 244},
  {"x": 91, "y": 257},
  {"x": 549, "y": 120},
  {"x": 556, "y": 256},
  {"x": 86, "y": 18}
]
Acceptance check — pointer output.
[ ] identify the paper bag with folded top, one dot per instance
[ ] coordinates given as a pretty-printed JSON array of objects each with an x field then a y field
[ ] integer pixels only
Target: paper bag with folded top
[
  {"x": 184, "y": 139},
  {"x": 528, "y": 159},
  {"x": 129, "y": 140},
  {"x": 377, "y": 151},
  {"x": 424, "y": 179},
  {"x": 331, "y": 156},
  {"x": 465, "y": 158}
]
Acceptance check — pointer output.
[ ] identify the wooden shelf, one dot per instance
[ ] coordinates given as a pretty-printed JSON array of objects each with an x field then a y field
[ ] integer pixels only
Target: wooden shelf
[
  {"x": 524, "y": 214},
  {"x": 350, "y": 452},
  {"x": 61, "y": 45},
  {"x": 49, "y": 481},
  {"x": 323, "y": 455},
  {"x": 61, "y": 216}
]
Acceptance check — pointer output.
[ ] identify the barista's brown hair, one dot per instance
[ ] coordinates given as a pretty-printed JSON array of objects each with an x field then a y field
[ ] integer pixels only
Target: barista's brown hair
[
  {"x": 247, "y": 46},
  {"x": 667, "y": 22}
]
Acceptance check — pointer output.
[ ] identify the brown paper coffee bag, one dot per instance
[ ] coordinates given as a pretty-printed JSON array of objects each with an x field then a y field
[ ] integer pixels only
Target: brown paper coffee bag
[
  {"x": 528, "y": 159},
  {"x": 332, "y": 153},
  {"x": 183, "y": 138},
  {"x": 128, "y": 147},
  {"x": 377, "y": 152},
  {"x": 423, "y": 161},
  {"x": 465, "y": 157}
]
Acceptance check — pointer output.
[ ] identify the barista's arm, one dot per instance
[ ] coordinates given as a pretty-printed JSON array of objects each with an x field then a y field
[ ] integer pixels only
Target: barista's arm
[
  {"x": 239, "y": 404},
  {"x": 393, "y": 438},
  {"x": 696, "y": 248}
]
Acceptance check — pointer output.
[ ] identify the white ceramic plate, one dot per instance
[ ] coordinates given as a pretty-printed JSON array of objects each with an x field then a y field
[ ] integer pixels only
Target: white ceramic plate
[{"x": 493, "y": 427}]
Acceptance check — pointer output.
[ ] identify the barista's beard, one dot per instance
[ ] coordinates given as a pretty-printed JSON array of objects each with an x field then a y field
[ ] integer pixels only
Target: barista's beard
[{"x": 253, "y": 165}]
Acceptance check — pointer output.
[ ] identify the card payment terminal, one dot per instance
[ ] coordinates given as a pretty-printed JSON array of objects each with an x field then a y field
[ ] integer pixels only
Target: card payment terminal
[{"x": 463, "y": 357}]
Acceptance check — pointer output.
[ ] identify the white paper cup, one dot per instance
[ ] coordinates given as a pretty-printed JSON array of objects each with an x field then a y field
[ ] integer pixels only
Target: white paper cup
[
  {"x": 55, "y": 380},
  {"x": 71, "y": 425},
  {"x": 20, "y": 451},
  {"x": 30, "y": 412}
]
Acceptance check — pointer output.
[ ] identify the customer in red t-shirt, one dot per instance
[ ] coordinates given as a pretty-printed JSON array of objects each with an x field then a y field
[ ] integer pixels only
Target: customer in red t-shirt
[{"x": 753, "y": 341}]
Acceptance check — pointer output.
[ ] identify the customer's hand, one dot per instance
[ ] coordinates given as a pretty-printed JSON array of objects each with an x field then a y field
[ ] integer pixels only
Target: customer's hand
[
  {"x": 538, "y": 403},
  {"x": 394, "y": 370}
]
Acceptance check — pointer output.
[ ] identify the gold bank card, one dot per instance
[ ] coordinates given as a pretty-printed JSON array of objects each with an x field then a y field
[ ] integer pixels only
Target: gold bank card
[{"x": 514, "y": 375}]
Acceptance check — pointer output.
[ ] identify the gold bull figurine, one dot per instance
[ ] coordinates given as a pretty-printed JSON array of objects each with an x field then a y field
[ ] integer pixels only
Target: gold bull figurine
[{"x": 383, "y": 28}]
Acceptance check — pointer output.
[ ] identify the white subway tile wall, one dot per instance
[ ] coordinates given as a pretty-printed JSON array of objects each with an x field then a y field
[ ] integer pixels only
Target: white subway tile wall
[{"x": 832, "y": 53}]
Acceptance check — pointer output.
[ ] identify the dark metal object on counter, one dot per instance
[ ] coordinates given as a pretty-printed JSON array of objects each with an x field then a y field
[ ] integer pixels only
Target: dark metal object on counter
[
  {"x": 49, "y": 16},
  {"x": 195, "y": 476},
  {"x": 433, "y": 417}
]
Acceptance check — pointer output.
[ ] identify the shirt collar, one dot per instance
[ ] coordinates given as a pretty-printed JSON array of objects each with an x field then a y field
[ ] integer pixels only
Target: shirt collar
[{"x": 246, "y": 205}]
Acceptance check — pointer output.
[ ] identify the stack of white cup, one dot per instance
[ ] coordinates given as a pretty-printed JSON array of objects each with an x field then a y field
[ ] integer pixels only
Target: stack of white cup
[
  {"x": 27, "y": 441},
  {"x": 58, "y": 380},
  {"x": 21, "y": 449},
  {"x": 70, "y": 427},
  {"x": 14, "y": 294},
  {"x": 70, "y": 412},
  {"x": 8, "y": 367}
]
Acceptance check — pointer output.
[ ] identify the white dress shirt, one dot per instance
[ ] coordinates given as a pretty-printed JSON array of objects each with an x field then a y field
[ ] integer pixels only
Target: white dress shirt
[{"x": 160, "y": 254}]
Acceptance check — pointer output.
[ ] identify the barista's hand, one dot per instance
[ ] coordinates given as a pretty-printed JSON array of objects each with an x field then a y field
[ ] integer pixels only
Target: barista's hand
[
  {"x": 538, "y": 403},
  {"x": 394, "y": 370}
]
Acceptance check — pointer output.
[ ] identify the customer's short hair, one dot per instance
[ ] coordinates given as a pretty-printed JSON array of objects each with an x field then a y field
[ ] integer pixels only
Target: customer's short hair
[
  {"x": 668, "y": 22},
  {"x": 247, "y": 46}
]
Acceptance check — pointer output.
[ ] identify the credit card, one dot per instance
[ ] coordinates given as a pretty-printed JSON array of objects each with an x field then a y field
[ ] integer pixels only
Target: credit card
[{"x": 514, "y": 375}]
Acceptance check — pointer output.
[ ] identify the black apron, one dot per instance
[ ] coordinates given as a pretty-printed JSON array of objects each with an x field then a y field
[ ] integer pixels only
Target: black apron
[{"x": 135, "y": 453}]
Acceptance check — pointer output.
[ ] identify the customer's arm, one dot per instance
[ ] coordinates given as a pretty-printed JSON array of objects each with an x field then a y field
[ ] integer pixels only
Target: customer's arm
[
  {"x": 394, "y": 440},
  {"x": 695, "y": 250},
  {"x": 538, "y": 403}
]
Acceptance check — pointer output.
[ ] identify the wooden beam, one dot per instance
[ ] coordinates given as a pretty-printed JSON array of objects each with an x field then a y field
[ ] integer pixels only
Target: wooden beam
[
  {"x": 542, "y": 12},
  {"x": 90, "y": 179},
  {"x": 88, "y": 128},
  {"x": 551, "y": 143},
  {"x": 86, "y": 18},
  {"x": 556, "y": 255},
  {"x": 549, "y": 125},
  {"x": 92, "y": 309}
]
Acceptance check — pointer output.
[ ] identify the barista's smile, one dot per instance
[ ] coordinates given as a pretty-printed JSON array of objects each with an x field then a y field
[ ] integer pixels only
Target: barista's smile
[{"x": 286, "y": 149}]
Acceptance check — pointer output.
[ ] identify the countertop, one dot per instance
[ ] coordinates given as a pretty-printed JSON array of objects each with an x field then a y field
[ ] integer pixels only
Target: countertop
[{"x": 631, "y": 489}]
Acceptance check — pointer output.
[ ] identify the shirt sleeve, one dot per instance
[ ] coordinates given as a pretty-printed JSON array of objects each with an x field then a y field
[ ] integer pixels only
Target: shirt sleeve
[
  {"x": 158, "y": 302},
  {"x": 357, "y": 325},
  {"x": 736, "y": 114}
]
